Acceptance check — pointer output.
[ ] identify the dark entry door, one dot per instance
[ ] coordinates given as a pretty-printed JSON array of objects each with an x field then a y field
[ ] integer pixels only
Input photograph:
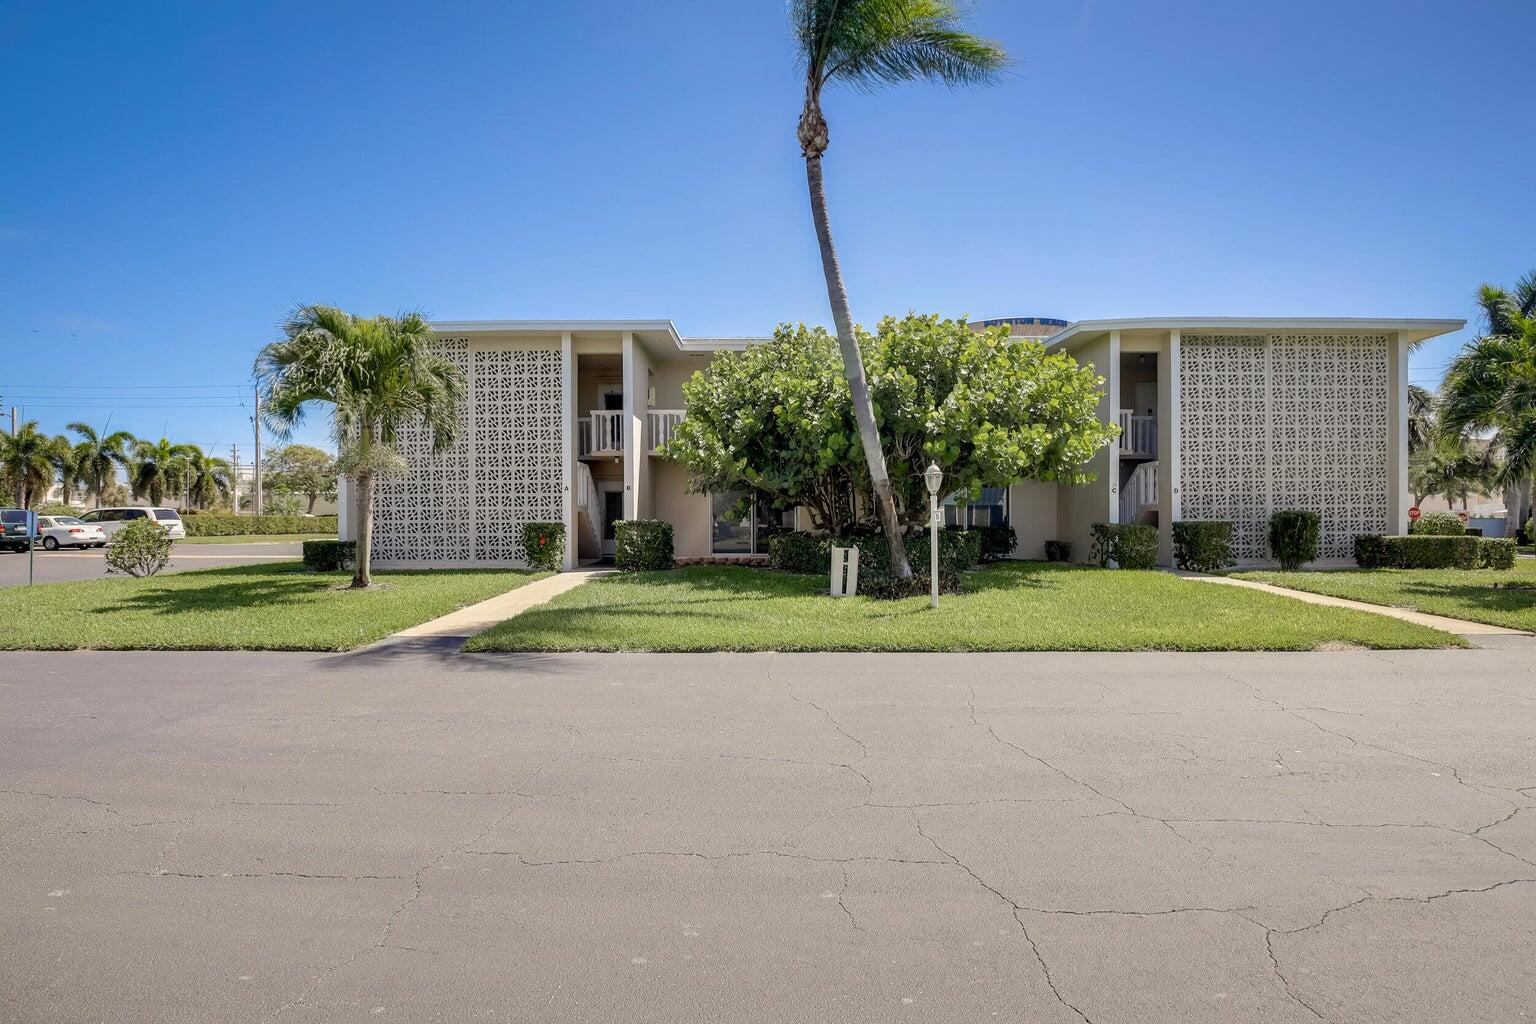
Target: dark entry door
[{"x": 613, "y": 511}]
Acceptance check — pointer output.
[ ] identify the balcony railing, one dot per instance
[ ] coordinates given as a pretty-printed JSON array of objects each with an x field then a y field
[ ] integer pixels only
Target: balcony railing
[
  {"x": 1140, "y": 493},
  {"x": 603, "y": 434},
  {"x": 1138, "y": 434}
]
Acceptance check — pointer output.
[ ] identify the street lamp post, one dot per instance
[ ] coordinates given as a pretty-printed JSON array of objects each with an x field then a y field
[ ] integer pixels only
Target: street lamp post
[{"x": 933, "y": 476}]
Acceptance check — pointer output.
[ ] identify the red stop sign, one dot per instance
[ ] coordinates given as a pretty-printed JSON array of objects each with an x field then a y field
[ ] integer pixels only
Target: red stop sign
[
  {"x": 1414, "y": 513},
  {"x": 1462, "y": 515}
]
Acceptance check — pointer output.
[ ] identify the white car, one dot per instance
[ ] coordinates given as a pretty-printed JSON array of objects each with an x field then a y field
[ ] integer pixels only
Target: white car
[
  {"x": 68, "y": 532},
  {"x": 113, "y": 519}
]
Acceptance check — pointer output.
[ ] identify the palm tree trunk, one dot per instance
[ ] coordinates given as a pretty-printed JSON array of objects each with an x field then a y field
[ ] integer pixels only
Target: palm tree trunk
[
  {"x": 362, "y": 572},
  {"x": 853, "y": 368}
]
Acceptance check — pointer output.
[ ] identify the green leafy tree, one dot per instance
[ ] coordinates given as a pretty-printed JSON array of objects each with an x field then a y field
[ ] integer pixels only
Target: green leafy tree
[
  {"x": 866, "y": 44},
  {"x": 27, "y": 463},
  {"x": 777, "y": 419},
  {"x": 99, "y": 455},
  {"x": 156, "y": 467},
  {"x": 1490, "y": 387},
  {"x": 302, "y": 469},
  {"x": 989, "y": 409},
  {"x": 377, "y": 374}
]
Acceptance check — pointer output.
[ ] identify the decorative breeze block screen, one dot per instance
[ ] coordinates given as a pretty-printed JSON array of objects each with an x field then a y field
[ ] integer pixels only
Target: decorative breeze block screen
[
  {"x": 1285, "y": 421},
  {"x": 469, "y": 503}
]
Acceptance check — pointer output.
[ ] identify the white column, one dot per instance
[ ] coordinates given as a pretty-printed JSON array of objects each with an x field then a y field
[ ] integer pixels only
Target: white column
[
  {"x": 634, "y": 424},
  {"x": 568, "y": 444},
  {"x": 1397, "y": 435},
  {"x": 1112, "y": 393},
  {"x": 346, "y": 510},
  {"x": 1169, "y": 507}
]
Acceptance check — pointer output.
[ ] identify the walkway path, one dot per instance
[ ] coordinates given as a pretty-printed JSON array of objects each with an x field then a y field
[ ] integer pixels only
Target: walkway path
[
  {"x": 1458, "y": 627},
  {"x": 478, "y": 618}
]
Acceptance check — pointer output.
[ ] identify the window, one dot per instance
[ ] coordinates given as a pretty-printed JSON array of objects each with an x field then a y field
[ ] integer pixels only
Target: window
[
  {"x": 165, "y": 514},
  {"x": 734, "y": 530},
  {"x": 989, "y": 509}
]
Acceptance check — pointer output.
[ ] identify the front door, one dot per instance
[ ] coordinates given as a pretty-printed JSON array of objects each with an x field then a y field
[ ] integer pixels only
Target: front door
[{"x": 613, "y": 511}]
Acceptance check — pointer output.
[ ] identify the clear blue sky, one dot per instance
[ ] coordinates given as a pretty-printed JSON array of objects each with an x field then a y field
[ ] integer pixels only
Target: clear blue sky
[{"x": 177, "y": 175}]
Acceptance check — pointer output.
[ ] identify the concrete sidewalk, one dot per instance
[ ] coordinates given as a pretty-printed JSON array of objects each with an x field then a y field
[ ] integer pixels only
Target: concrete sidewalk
[
  {"x": 1457, "y": 627},
  {"x": 478, "y": 618}
]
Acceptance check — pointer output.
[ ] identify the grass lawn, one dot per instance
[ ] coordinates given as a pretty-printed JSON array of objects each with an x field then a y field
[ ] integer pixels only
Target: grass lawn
[
  {"x": 259, "y": 538},
  {"x": 278, "y": 607},
  {"x": 1502, "y": 598},
  {"x": 1011, "y": 606}
]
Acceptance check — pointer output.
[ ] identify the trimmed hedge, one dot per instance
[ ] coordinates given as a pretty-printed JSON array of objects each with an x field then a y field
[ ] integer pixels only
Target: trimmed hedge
[
  {"x": 1293, "y": 537},
  {"x": 997, "y": 542},
  {"x": 1417, "y": 551},
  {"x": 959, "y": 551},
  {"x": 1202, "y": 545},
  {"x": 802, "y": 552},
  {"x": 1496, "y": 553},
  {"x": 220, "y": 525},
  {"x": 545, "y": 544},
  {"x": 811, "y": 553},
  {"x": 1438, "y": 524},
  {"x": 642, "y": 545},
  {"x": 1058, "y": 551},
  {"x": 1128, "y": 545},
  {"x": 329, "y": 555}
]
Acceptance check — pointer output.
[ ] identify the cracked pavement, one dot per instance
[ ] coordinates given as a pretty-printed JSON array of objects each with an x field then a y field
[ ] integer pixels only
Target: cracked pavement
[{"x": 413, "y": 835}]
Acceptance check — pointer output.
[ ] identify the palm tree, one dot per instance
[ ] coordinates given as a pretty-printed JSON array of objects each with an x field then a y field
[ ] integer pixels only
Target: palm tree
[
  {"x": 156, "y": 468},
  {"x": 206, "y": 478},
  {"x": 98, "y": 456},
  {"x": 1421, "y": 418},
  {"x": 27, "y": 463},
  {"x": 377, "y": 374},
  {"x": 66, "y": 462},
  {"x": 866, "y": 44},
  {"x": 1453, "y": 468},
  {"x": 1490, "y": 387}
]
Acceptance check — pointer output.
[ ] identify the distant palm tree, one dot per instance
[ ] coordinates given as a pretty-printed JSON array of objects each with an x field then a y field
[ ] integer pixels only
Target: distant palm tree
[
  {"x": 1490, "y": 387},
  {"x": 27, "y": 463},
  {"x": 1453, "y": 469},
  {"x": 207, "y": 478},
  {"x": 866, "y": 44},
  {"x": 98, "y": 456},
  {"x": 156, "y": 468},
  {"x": 1421, "y": 418},
  {"x": 66, "y": 463},
  {"x": 377, "y": 374}
]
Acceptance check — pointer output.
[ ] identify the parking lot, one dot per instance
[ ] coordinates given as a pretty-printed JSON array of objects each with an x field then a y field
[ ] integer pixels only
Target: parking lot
[{"x": 57, "y": 566}]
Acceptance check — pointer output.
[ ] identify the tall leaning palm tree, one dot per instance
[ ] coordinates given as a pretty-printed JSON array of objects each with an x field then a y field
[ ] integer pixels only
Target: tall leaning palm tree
[
  {"x": 1491, "y": 386},
  {"x": 98, "y": 455},
  {"x": 377, "y": 374},
  {"x": 27, "y": 463},
  {"x": 866, "y": 44},
  {"x": 156, "y": 468}
]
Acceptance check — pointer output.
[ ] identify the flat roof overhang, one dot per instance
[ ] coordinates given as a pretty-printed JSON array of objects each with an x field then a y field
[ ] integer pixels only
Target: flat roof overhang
[
  {"x": 1416, "y": 330},
  {"x": 661, "y": 330}
]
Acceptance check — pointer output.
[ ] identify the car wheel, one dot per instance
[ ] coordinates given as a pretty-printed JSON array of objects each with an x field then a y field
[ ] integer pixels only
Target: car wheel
[
  {"x": 99, "y": 544},
  {"x": 51, "y": 543}
]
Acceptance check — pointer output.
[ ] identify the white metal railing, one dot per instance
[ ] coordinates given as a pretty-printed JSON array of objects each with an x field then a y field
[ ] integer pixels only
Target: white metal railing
[
  {"x": 602, "y": 432},
  {"x": 1138, "y": 433},
  {"x": 1139, "y": 494},
  {"x": 589, "y": 501},
  {"x": 659, "y": 424}
]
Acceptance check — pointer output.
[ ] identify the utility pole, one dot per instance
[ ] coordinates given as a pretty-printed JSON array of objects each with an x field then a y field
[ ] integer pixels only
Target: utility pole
[
  {"x": 234, "y": 466},
  {"x": 257, "y": 420}
]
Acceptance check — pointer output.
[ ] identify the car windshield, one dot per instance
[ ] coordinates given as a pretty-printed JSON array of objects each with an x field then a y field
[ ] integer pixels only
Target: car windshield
[
  {"x": 13, "y": 515},
  {"x": 65, "y": 521},
  {"x": 166, "y": 513}
]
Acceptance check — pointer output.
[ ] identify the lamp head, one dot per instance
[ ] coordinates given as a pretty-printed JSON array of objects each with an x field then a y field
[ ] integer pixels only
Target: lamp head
[{"x": 933, "y": 476}]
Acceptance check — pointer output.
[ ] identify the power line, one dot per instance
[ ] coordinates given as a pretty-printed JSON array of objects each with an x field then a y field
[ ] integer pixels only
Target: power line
[{"x": 140, "y": 387}]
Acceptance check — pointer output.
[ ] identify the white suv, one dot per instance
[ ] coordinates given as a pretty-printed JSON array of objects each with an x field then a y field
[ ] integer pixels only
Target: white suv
[{"x": 113, "y": 519}]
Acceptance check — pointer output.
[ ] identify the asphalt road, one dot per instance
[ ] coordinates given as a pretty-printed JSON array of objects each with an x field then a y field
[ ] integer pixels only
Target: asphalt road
[
  {"x": 54, "y": 566},
  {"x": 394, "y": 836}
]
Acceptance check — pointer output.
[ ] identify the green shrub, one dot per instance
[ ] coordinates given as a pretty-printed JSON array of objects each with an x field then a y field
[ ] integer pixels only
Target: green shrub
[
  {"x": 329, "y": 555},
  {"x": 1371, "y": 551},
  {"x": 1527, "y": 533},
  {"x": 545, "y": 544},
  {"x": 1293, "y": 537},
  {"x": 1438, "y": 524},
  {"x": 1128, "y": 545},
  {"x": 799, "y": 551},
  {"x": 959, "y": 551},
  {"x": 1202, "y": 545},
  {"x": 1495, "y": 553},
  {"x": 642, "y": 545},
  {"x": 142, "y": 548},
  {"x": 888, "y": 588},
  {"x": 997, "y": 542},
  {"x": 1058, "y": 551},
  {"x": 57, "y": 508},
  {"x": 1423, "y": 551},
  {"x": 222, "y": 525}
]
